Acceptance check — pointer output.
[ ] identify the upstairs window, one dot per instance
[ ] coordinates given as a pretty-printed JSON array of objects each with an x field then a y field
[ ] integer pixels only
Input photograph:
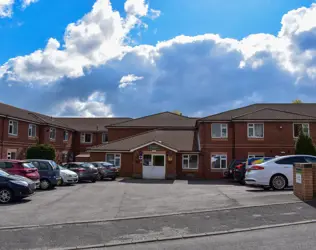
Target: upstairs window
[
  {"x": 300, "y": 127},
  {"x": 255, "y": 130},
  {"x": 86, "y": 138},
  {"x": 32, "y": 130},
  {"x": 66, "y": 135},
  {"x": 13, "y": 128},
  {"x": 219, "y": 130},
  {"x": 104, "y": 137},
  {"x": 52, "y": 134}
]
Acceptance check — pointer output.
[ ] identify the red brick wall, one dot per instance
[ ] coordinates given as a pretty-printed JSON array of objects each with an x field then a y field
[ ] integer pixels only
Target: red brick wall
[
  {"x": 189, "y": 173},
  {"x": 119, "y": 133},
  {"x": 79, "y": 147}
]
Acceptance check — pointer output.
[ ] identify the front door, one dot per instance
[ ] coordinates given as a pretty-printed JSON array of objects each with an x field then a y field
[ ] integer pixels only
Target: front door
[{"x": 154, "y": 166}]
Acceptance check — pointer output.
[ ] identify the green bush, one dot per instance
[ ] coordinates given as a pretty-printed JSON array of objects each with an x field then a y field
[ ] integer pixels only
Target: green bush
[
  {"x": 304, "y": 145},
  {"x": 41, "y": 151}
]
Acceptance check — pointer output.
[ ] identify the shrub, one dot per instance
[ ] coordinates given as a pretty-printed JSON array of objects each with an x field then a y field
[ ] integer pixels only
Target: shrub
[
  {"x": 41, "y": 151},
  {"x": 304, "y": 145}
]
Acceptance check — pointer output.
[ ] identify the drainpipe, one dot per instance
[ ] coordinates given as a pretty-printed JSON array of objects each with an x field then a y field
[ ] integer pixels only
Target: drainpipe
[
  {"x": 2, "y": 136},
  {"x": 234, "y": 141}
]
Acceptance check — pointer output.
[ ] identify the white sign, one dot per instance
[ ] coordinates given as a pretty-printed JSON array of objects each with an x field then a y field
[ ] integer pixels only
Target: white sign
[{"x": 298, "y": 178}]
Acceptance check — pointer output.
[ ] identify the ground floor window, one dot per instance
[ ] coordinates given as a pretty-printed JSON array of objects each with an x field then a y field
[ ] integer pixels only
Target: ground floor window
[
  {"x": 255, "y": 155},
  {"x": 219, "y": 161},
  {"x": 115, "y": 159},
  {"x": 190, "y": 161}
]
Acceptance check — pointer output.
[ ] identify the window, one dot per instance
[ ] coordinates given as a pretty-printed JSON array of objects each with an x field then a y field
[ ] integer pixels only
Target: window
[
  {"x": 86, "y": 138},
  {"x": 52, "y": 134},
  {"x": 32, "y": 130},
  {"x": 300, "y": 127},
  {"x": 219, "y": 130},
  {"x": 310, "y": 159},
  {"x": 190, "y": 162},
  {"x": 4, "y": 165},
  {"x": 255, "y": 155},
  {"x": 41, "y": 165},
  {"x": 104, "y": 137},
  {"x": 291, "y": 160},
  {"x": 219, "y": 161},
  {"x": 13, "y": 128},
  {"x": 255, "y": 130},
  {"x": 115, "y": 159},
  {"x": 66, "y": 135}
]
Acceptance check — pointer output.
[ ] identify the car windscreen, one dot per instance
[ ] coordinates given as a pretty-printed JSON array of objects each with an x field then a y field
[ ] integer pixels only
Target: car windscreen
[
  {"x": 61, "y": 168},
  {"x": 86, "y": 165},
  {"x": 54, "y": 164},
  {"x": 28, "y": 165},
  {"x": 105, "y": 164},
  {"x": 3, "y": 173}
]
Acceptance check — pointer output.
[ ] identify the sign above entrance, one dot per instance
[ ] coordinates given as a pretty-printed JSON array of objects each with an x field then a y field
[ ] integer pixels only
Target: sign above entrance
[{"x": 153, "y": 147}]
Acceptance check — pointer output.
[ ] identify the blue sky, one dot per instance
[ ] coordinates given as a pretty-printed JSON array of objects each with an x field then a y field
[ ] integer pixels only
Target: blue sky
[{"x": 132, "y": 60}]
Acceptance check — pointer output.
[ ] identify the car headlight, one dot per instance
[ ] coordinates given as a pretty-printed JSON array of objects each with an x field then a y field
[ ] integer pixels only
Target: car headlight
[
  {"x": 69, "y": 175},
  {"x": 21, "y": 183}
]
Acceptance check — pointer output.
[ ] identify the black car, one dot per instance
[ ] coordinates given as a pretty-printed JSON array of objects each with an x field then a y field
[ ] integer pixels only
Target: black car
[
  {"x": 85, "y": 171},
  {"x": 239, "y": 173},
  {"x": 14, "y": 187},
  {"x": 232, "y": 166},
  {"x": 106, "y": 170}
]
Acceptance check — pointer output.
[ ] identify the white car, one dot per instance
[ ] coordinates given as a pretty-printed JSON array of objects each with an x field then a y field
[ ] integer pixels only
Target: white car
[
  {"x": 276, "y": 173},
  {"x": 67, "y": 176}
]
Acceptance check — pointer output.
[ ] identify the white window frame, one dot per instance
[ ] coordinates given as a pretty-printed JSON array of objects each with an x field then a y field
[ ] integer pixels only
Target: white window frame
[
  {"x": 224, "y": 155},
  {"x": 106, "y": 135},
  {"x": 116, "y": 156},
  {"x": 11, "y": 124},
  {"x": 187, "y": 157},
  {"x": 50, "y": 133},
  {"x": 253, "y": 125},
  {"x": 222, "y": 125},
  {"x": 32, "y": 128},
  {"x": 254, "y": 155},
  {"x": 66, "y": 138},
  {"x": 83, "y": 135},
  {"x": 298, "y": 123}
]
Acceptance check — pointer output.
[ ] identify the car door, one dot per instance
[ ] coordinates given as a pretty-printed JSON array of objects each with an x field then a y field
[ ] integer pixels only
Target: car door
[{"x": 285, "y": 166}]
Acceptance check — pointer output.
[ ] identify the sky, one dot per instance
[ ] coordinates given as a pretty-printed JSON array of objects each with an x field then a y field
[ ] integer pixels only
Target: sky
[{"x": 138, "y": 57}]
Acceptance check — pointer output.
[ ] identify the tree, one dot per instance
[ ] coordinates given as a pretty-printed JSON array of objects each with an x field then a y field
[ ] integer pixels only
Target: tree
[
  {"x": 177, "y": 112},
  {"x": 297, "y": 101},
  {"x": 304, "y": 145},
  {"x": 41, "y": 151}
]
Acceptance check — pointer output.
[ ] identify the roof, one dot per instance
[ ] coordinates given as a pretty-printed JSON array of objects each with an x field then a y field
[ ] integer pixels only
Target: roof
[
  {"x": 83, "y": 155},
  {"x": 176, "y": 140},
  {"x": 159, "y": 120},
  {"x": 14, "y": 112},
  {"x": 90, "y": 124},
  {"x": 268, "y": 111}
]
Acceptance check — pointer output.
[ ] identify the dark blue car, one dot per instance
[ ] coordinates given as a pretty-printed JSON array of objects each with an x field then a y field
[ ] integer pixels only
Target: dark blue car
[
  {"x": 49, "y": 173},
  {"x": 14, "y": 187}
]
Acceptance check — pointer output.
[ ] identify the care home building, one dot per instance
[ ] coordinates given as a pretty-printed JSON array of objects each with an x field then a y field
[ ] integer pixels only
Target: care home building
[
  {"x": 163, "y": 145},
  {"x": 167, "y": 145}
]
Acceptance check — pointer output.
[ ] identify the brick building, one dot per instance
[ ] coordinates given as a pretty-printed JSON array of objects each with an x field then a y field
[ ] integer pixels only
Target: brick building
[{"x": 211, "y": 142}]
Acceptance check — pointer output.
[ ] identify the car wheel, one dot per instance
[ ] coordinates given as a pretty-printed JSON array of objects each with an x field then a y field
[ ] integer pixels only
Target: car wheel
[
  {"x": 99, "y": 177},
  {"x": 5, "y": 195},
  {"x": 243, "y": 182},
  {"x": 45, "y": 184},
  {"x": 93, "y": 180},
  {"x": 61, "y": 183},
  {"x": 278, "y": 182},
  {"x": 113, "y": 178}
]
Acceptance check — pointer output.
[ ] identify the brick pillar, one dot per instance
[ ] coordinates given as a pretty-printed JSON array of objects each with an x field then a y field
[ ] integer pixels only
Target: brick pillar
[
  {"x": 303, "y": 185},
  {"x": 314, "y": 179}
]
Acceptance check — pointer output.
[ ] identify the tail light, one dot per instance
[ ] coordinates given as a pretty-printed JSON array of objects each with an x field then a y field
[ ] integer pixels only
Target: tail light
[
  {"x": 255, "y": 168},
  {"x": 238, "y": 166},
  {"x": 81, "y": 170}
]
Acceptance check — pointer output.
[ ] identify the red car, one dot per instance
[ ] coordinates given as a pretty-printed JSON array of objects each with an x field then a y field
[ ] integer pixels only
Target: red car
[{"x": 22, "y": 168}]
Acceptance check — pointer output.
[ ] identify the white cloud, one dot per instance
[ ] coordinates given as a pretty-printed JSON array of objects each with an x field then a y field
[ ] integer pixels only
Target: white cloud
[
  {"x": 6, "y": 8},
  {"x": 26, "y": 3},
  {"x": 129, "y": 80},
  {"x": 154, "y": 14},
  {"x": 93, "y": 40},
  {"x": 93, "y": 106}
]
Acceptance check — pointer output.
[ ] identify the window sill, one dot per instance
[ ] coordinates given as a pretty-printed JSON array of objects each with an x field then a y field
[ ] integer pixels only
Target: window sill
[
  {"x": 14, "y": 136},
  {"x": 32, "y": 138},
  {"x": 52, "y": 140},
  {"x": 218, "y": 169},
  {"x": 219, "y": 139},
  {"x": 255, "y": 139},
  {"x": 190, "y": 169},
  {"x": 85, "y": 142}
]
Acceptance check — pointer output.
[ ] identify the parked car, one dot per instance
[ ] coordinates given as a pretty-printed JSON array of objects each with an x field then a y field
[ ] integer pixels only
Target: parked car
[
  {"x": 85, "y": 171},
  {"x": 276, "y": 173},
  {"x": 105, "y": 170},
  {"x": 22, "y": 168},
  {"x": 67, "y": 176},
  {"x": 232, "y": 165},
  {"x": 256, "y": 160},
  {"x": 49, "y": 173},
  {"x": 14, "y": 187}
]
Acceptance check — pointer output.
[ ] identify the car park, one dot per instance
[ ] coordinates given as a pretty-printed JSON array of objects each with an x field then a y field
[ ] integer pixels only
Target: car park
[
  {"x": 106, "y": 170},
  {"x": 85, "y": 171},
  {"x": 22, "y": 168},
  {"x": 276, "y": 173},
  {"x": 49, "y": 173},
  {"x": 67, "y": 176},
  {"x": 14, "y": 187}
]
